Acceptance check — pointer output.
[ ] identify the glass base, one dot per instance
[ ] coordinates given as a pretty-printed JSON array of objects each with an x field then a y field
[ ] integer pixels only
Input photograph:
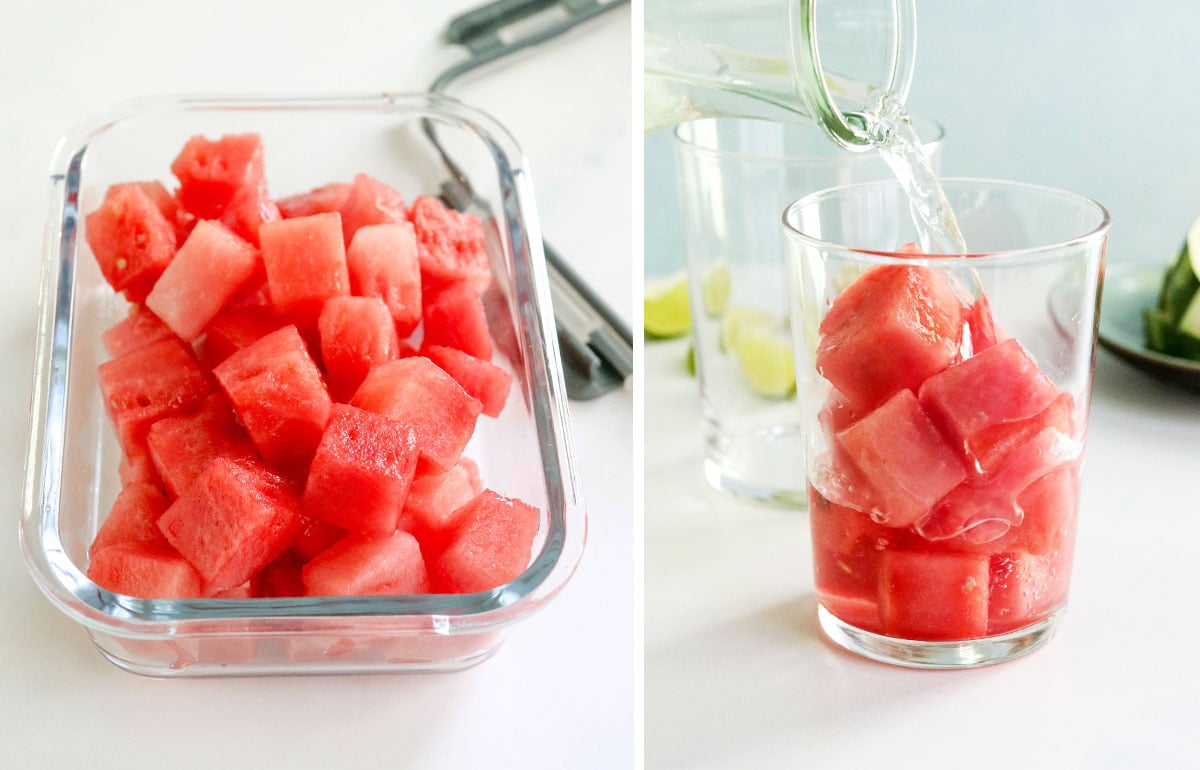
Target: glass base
[
  {"x": 764, "y": 466},
  {"x": 972, "y": 653}
]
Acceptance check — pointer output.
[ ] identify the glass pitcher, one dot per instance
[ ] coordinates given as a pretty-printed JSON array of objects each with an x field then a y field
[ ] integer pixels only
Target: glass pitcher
[{"x": 760, "y": 58}]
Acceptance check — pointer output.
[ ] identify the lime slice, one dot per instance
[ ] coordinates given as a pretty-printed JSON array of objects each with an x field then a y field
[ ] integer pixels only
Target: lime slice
[
  {"x": 666, "y": 311},
  {"x": 715, "y": 288},
  {"x": 767, "y": 360},
  {"x": 737, "y": 318}
]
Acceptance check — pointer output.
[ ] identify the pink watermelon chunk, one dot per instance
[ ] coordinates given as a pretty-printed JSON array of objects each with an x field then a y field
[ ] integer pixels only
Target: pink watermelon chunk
[
  {"x": 306, "y": 264},
  {"x": 1024, "y": 589},
  {"x": 145, "y": 570},
  {"x": 137, "y": 467},
  {"x": 450, "y": 245},
  {"x": 436, "y": 505},
  {"x": 482, "y": 379},
  {"x": 847, "y": 548},
  {"x": 837, "y": 413},
  {"x": 182, "y": 446},
  {"x": 985, "y": 403},
  {"x": 492, "y": 546},
  {"x": 454, "y": 318},
  {"x": 137, "y": 330},
  {"x": 356, "y": 334},
  {"x": 382, "y": 261},
  {"x": 279, "y": 395},
  {"x": 234, "y": 329},
  {"x": 232, "y": 521},
  {"x": 414, "y": 391},
  {"x": 133, "y": 518},
  {"x": 321, "y": 200},
  {"x": 361, "y": 471},
  {"x": 1050, "y": 506},
  {"x": 282, "y": 578},
  {"x": 205, "y": 273},
  {"x": 981, "y": 326},
  {"x": 171, "y": 208},
  {"x": 248, "y": 209},
  {"x": 315, "y": 536},
  {"x": 907, "y": 463},
  {"x": 132, "y": 241},
  {"x": 934, "y": 596},
  {"x": 211, "y": 173},
  {"x": 904, "y": 319},
  {"x": 370, "y": 202},
  {"x": 360, "y": 565},
  {"x": 148, "y": 384}
]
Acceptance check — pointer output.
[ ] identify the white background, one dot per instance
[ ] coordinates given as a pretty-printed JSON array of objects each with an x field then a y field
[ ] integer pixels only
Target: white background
[
  {"x": 1098, "y": 97},
  {"x": 561, "y": 690}
]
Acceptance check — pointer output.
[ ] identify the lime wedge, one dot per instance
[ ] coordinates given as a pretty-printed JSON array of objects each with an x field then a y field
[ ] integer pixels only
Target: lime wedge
[
  {"x": 715, "y": 288},
  {"x": 1193, "y": 246},
  {"x": 666, "y": 311},
  {"x": 737, "y": 318},
  {"x": 766, "y": 357}
]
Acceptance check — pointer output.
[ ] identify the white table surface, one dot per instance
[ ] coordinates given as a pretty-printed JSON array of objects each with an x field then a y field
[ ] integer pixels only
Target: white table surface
[{"x": 560, "y": 692}]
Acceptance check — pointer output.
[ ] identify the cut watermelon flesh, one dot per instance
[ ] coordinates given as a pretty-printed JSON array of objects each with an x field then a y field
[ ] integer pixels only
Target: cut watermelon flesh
[
  {"x": 148, "y": 384},
  {"x": 232, "y": 521},
  {"x": 306, "y": 265},
  {"x": 132, "y": 241},
  {"x": 321, "y": 200},
  {"x": 182, "y": 446},
  {"x": 382, "y": 262},
  {"x": 450, "y": 245},
  {"x": 361, "y": 565},
  {"x": 361, "y": 472},
  {"x": 249, "y": 208},
  {"x": 235, "y": 329},
  {"x": 482, "y": 379},
  {"x": 491, "y": 547},
  {"x": 454, "y": 318},
  {"x": 137, "y": 330},
  {"x": 211, "y": 172},
  {"x": 145, "y": 570},
  {"x": 1024, "y": 589},
  {"x": 133, "y": 518},
  {"x": 435, "y": 505},
  {"x": 356, "y": 333},
  {"x": 934, "y": 596},
  {"x": 370, "y": 202}
]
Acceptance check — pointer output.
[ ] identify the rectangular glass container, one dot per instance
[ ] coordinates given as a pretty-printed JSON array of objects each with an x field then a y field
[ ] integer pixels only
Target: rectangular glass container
[{"x": 418, "y": 144}]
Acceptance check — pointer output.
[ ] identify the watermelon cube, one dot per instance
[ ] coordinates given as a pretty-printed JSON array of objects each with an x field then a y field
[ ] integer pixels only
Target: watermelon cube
[
  {"x": 182, "y": 446},
  {"x": 454, "y": 318},
  {"x": 248, "y": 209},
  {"x": 361, "y": 471},
  {"x": 492, "y": 545},
  {"x": 906, "y": 462},
  {"x": 145, "y": 570},
  {"x": 435, "y": 505},
  {"x": 233, "y": 520},
  {"x": 987, "y": 404},
  {"x": 888, "y": 331},
  {"x": 171, "y": 208},
  {"x": 317, "y": 201},
  {"x": 306, "y": 264},
  {"x": 450, "y": 245},
  {"x": 382, "y": 262},
  {"x": 482, "y": 379},
  {"x": 1050, "y": 507},
  {"x": 282, "y": 577},
  {"x": 370, "y": 202},
  {"x": 847, "y": 548},
  {"x": 137, "y": 466},
  {"x": 416, "y": 392},
  {"x": 860, "y": 611},
  {"x": 137, "y": 330},
  {"x": 279, "y": 396},
  {"x": 356, "y": 334},
  {"x": 148, "y": 384},
  {"x": 1024, "y": 589},
  {"x": 360, "y": 565},
  {"x": 207, "y": 270},
  {"x": 234, "y": 329},
  {"x": 133, "y": 518},
  {"x": 211, "y": 173},
  {"x": 836, "y": 413},
  {"x": 132, "y": 241},
  {"x": 980, "y": 327},
  {"x": 934, "y": 596},
  {"x": 315, "y": 535}
]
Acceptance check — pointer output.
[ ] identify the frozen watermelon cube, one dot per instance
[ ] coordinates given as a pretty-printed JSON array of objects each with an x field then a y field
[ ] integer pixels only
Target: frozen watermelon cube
[
  {"x": 847, "y": 548},
  {"x": 859, "y": 610},
  {"x": 450, "y": 245},
  {"x": 1050, "y": 506},
  {"x": 207, "y": 270},
  {"x": 491, "y": 547},
  {"x": 888, "y": 331},
  {"x": 211, "y": 172},
  {"x": 436, "y": 504},
  {"x": 133, "y": 518},
  {"x": 985, "y": 401},
  {"x": 145, "y": 570},
  {"x": 136, "y": 330},
  {"x": 361, "y": 471},
  {"x": 934, "y": 596},
  {"x": 320, "y": 200},
  {"x": 306, "y": 264},
  {"x": 981, "y": 327},
  {"x": 279, "y": 396},
  {"x": 182, "y": 446},
  {"x": 906, "y": 462},
  {"x": 360, "y": 565},
  {"x": 232, "y": 521},
  {"x": 482, "y": 379},
  {"x": 382, "y": 262},
  {"x": 454, "y": 318},
  {"x": 356, "y": 334},
  {"x": 416, "y": 392},
  {"x": 148, "y": 384},
  {"x": 248, "y": 209},
  {"x": 132, "y": 241},
  {"x": 1025, "y": 588},
  {"x": 370, "y": 202}
]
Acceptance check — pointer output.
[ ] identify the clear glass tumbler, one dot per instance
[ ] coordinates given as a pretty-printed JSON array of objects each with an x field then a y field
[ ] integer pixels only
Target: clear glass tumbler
[
  {"x": 735, "y": 176},
  {"x": 945, "y": 402}
]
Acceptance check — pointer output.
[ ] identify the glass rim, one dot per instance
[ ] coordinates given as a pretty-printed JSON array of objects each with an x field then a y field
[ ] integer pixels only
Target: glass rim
[
  {"x": 834, "y": 154},
  {"x": 875, "y": 256}
]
